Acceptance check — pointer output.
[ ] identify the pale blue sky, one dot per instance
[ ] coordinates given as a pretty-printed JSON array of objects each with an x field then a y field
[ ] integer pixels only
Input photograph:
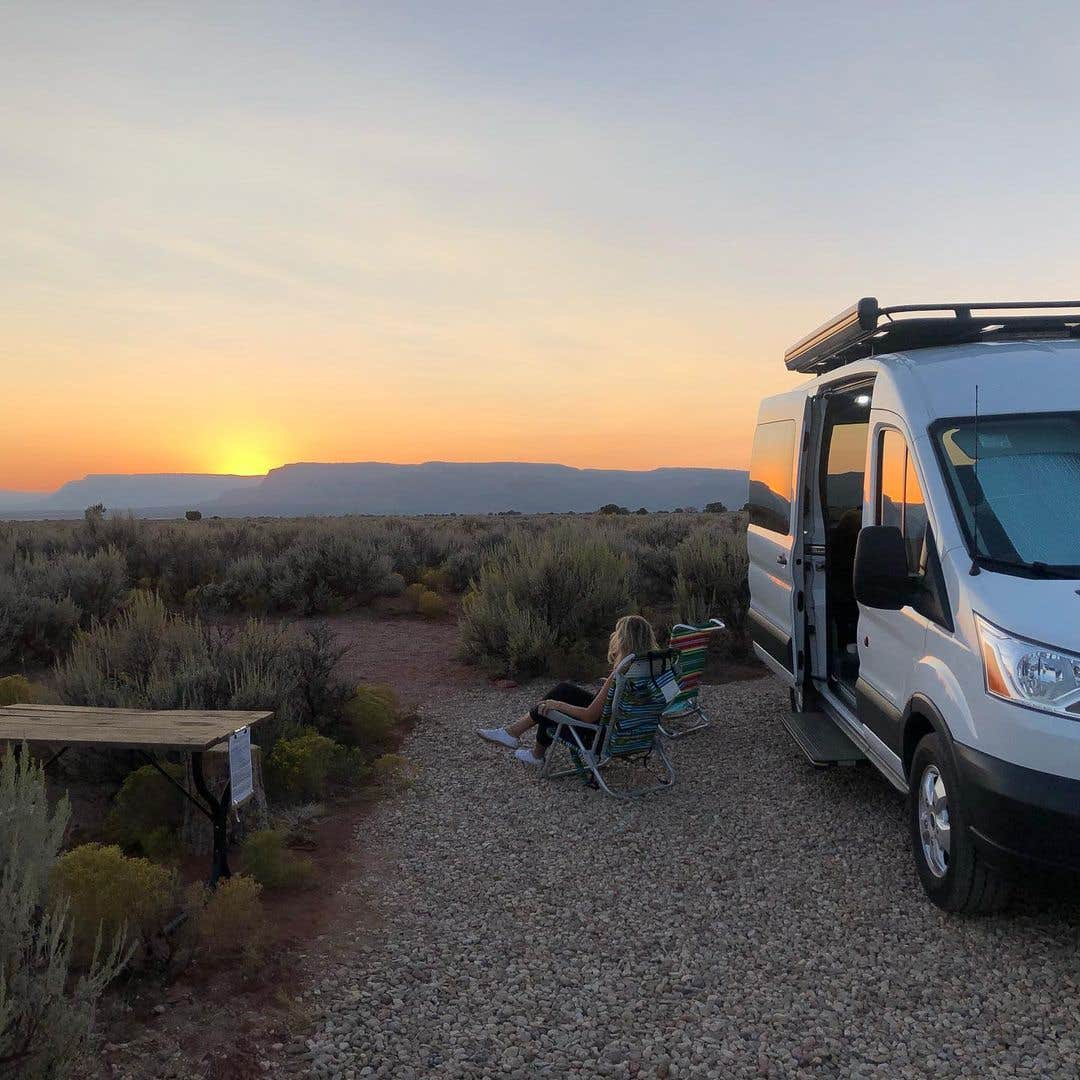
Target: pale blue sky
[{"x": 553, "y": 232}]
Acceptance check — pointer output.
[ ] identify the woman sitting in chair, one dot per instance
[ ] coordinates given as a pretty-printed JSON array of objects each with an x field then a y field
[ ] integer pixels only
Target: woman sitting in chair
[{"x": 632, "y": 635}]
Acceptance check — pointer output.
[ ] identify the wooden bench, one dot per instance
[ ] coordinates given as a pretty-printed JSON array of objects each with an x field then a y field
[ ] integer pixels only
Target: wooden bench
[{"x": 150, "y": 732}]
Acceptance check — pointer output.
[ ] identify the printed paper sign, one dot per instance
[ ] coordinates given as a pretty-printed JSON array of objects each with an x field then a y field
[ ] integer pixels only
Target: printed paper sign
[{"x": 240, "y": 778}]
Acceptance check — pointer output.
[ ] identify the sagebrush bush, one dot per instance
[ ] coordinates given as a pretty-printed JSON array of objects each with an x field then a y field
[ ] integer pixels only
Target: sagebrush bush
[
  {"x": 229, "y": 921},
  {"x": 15, "y": 689},
  {"x": 392, "y": 772},
  {"x": 430, "y": 605},
  {"x": 297, "y": 768},
  {"x": 556, "y": 592},
  {"x": 711, "y": 581},
  {"x": 33, "y": 628},
  {"x": 266, "y": 859},
  {"x": 109, "y": 893},
  {"x": 49, "y": 570},
  {"x": 149, "y": 658},
  {"x": 330, "y": 568},
  {"x": 147, "y": 813},
  {"x": 368, "y": 716},
  {"x": 46, "y": 1017}
]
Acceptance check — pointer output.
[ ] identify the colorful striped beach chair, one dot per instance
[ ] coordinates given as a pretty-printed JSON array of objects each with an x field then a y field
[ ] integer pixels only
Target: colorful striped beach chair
[
  {"x": 628, "y": 731},
  {"x": 684, "y": 715}
]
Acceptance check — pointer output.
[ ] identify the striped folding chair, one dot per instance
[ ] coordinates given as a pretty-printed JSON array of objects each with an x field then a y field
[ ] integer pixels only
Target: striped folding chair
[
  {"x": 684, "y": 715},
  {"x": 628, "y": 731}
]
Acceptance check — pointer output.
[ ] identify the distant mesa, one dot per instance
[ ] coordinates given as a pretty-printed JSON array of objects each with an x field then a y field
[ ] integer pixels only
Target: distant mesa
[{"x": 373, "y": 487}]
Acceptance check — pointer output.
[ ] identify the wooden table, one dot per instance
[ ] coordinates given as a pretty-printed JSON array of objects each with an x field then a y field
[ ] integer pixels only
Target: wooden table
[{"x": 148, "y": 731}]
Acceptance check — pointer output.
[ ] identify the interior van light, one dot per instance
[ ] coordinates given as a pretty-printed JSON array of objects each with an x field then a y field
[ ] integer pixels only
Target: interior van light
[{"x": 863, "y": 399}]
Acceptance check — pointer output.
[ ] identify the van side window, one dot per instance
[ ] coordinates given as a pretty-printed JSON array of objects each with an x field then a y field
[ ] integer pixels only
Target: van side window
[
  {"x": 770, "y": 475},
  {"x": 899, "y": 499}
]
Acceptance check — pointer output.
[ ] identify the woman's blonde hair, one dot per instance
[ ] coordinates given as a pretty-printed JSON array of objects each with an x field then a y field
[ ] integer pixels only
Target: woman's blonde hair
[{"x": 632, "y": 634}]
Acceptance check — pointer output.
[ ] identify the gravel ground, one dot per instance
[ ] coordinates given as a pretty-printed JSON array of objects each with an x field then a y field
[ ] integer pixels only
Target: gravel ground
[{"x": 764, "y": 919}]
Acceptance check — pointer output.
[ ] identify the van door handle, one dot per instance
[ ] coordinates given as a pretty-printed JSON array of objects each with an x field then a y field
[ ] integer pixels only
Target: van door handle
[{"x": 782, "y": 560}]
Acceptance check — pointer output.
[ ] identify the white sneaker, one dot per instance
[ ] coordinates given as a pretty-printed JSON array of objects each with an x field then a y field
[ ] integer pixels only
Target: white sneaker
[
  {"x": 527, "y": 757},
  {"x": 499, "y": 735}
]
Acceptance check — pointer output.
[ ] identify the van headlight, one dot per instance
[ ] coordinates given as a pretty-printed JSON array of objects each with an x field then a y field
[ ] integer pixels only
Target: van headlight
[{"x": 1029, "y": 673}]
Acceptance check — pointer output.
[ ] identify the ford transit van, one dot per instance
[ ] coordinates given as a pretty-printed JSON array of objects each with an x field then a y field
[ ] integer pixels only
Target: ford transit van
[{"x": 914, "y": 545}]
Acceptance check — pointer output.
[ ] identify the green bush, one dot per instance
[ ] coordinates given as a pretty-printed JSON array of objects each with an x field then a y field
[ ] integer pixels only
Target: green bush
[
  {"x": 558, "y": 592},
  {"x": 436, "y": 580},
  {"x": 368, "y": 716},
  {"x": 147, "y": 813},
  {"x": 711, "y": 581},
  {"x": 425, "y": 601},
  {"x": 297, "y": 768},
  {"x": 46, "y": 1017},
  {"x": 349, "y": 767},
  {"x": 33, "y": 628},
  {"x": 148, "y": 658},
  {"x": 230, "y": 921},
  {"x": 413, "y": 593},
  {"x": 392, "y": 772},
  {"x": 15, "y": 690},
  {"x": 266, "y": 859},
  {"x": 431, "y": 605},
  {"x": 330, "y": 568},
  {"x": 109, "y": 892}
]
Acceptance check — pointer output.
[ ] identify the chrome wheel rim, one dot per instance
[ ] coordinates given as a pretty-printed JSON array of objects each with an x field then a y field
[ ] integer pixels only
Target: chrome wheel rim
[{"x": 934, "y": 827}]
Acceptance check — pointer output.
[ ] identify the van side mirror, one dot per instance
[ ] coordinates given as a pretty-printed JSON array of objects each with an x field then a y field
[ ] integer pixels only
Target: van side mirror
[{"x": 881, "y": 578}]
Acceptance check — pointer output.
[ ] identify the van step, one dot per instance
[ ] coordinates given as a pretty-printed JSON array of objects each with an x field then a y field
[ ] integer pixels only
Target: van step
[{"x": 821, "y": 740}]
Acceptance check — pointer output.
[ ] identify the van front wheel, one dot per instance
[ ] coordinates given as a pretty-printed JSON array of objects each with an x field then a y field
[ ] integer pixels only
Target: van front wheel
[{"x": 952, "y": 870}]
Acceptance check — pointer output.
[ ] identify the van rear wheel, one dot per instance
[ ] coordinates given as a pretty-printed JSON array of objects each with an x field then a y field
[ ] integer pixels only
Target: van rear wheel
[{"x": 952, "y": 870}]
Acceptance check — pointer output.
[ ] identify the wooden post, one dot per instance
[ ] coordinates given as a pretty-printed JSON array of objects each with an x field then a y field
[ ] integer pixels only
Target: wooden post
[{"x": 254, "y": 814}]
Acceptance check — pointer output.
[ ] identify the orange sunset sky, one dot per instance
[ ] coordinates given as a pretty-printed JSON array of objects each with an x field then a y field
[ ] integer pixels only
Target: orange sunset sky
[{"x": 239, "y": 235}]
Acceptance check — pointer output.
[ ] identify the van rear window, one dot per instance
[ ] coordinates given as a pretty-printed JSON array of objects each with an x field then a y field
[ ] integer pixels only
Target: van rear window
[{"x": 770, "y": 475}]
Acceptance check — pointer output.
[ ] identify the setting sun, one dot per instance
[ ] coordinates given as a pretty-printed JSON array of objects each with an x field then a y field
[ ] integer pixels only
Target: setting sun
[{"x": 244, "y": 458}]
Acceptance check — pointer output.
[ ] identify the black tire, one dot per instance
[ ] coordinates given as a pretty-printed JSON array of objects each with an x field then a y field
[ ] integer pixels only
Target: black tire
[{"x": 968, "y": 885}]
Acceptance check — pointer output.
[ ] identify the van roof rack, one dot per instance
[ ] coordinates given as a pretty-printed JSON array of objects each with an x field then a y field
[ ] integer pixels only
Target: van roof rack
[{"x": 859, "y": 331}]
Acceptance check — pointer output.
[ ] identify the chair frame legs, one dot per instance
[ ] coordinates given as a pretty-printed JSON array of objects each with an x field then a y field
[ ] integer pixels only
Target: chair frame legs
[
  {"x": 593, "y": 764},
  {"x": 702, "y": 723}
]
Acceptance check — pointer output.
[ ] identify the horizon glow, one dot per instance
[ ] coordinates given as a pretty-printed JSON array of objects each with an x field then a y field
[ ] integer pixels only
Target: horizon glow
[{"x": 238, "y": 236}]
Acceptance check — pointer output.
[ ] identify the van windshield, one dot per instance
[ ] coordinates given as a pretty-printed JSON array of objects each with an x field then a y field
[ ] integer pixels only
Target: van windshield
[{"x": 1014, "y": 481}]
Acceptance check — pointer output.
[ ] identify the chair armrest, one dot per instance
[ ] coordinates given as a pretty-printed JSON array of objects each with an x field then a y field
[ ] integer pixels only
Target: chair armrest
[{"x": 562, "y": 718}]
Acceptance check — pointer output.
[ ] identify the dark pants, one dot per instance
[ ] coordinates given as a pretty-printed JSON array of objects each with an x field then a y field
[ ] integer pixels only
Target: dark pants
[{"x": 571, "y": 695}]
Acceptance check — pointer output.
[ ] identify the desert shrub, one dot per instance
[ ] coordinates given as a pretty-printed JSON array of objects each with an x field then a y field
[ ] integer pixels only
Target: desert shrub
[
  {"x": 392, "y": 772},
  {"x": 435, "y": 579},
  {"x": 297, "y": 768},
  {"x": 463, "y": 566},
  {"x": 97, "y": 584},
  {"x": 46, "y": 1018},
  {"x": 147, "y": 812},
  {"x": 146, "y": 658},
  {"x": 425, "y": 601},
  {"x": 15, "y": 689},
  {"x": 413, "y": 593},
  {"x": 349, "y": 767},
  {"x": 711, "y": 580},
  {"x": 33, "y": 628},
  {"x": 557, "y": 592},
  {"x": 110, "y": 893},
  {"x": 150, "y": 658},
  {"x": 329, "y": 568},
  {"x": 368, "y": 716},
  {"x": 267, "y": 860},
  {"x": 245, "y": 585},
  {"x": 431, "y": 605},
  {"x": 229, "y": 921}
]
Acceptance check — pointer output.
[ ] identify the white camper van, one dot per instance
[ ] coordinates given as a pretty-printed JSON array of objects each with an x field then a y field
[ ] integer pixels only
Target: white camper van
[{"x": 914, "y": 546}]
